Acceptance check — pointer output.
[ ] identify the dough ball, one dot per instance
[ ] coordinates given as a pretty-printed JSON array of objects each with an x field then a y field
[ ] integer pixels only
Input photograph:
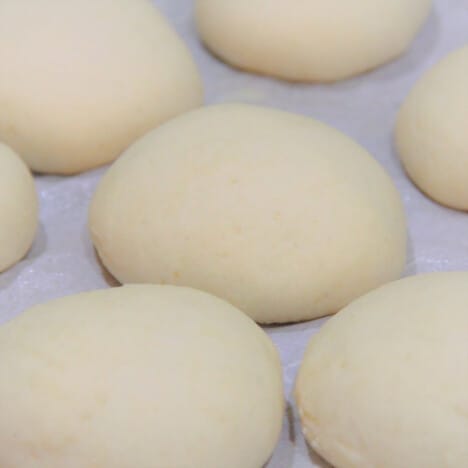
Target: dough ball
[
  {"x": 384, "y": 383},
  {"x": 18, "y": 208},
  {"x": 432, "y": 132},
  {"x": 313, "y": 40},
  {"x": 139, "y": 376},
  {"x": 283, "y": 216},
  {"x": 82, "y": 79}
]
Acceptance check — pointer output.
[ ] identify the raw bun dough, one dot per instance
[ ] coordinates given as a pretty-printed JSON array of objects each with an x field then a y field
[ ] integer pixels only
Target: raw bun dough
[
  {"x": 18, "y": 208},
  {"x": 138, "y": 377},
  {"x": 384, "y": 383},
  {"x": 82, "y": 79},
  {"x": 313, "y": 40},
  {"x": 282, "y": 216},
  {"x": 432, "y": 132}
]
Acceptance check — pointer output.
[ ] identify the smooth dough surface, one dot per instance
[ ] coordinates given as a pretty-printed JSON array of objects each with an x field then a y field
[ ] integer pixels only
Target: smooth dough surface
[
  {"x": 282, "y": 216},
  {"x": 18, "y": 208},
  {"x": 138, "y": 377},
  {"x": 432, "y": 135},
  {"x": 80, "y": 80},
  {"x": 313, "y": 40},
  {"x": 384, "y": 383}
]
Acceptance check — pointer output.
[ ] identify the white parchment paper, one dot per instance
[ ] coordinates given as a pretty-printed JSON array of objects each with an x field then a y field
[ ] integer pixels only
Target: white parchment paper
[{"x": 62, "y": 260}]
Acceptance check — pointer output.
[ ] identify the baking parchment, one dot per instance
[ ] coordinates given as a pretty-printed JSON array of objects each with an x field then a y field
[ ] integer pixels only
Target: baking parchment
[{"x": 62, "y": 260}]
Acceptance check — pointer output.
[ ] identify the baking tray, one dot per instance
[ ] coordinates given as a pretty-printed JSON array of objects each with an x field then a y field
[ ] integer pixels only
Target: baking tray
[{"x": 62, "y": 260}]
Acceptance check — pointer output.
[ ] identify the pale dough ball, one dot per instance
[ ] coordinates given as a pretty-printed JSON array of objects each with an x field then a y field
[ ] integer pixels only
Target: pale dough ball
[
  {"x": 282, "y": 216},
  {"x": 18, "y": 208},
  {"x": 313, "y": 40},
  {"x": 384, "y": 383},
  {"x": 82, "y": 79},
  {"x": 138, "y": 377},
  {"x": 432, "y": 132}
]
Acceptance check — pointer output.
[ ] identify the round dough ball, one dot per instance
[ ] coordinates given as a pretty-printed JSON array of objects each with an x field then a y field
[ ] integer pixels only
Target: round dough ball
[
  {"x": 432, "y": 132},
  {"x": 313, "y": 40},
  {"x": 80, "y": 80},
  {"x": 282, "y": 216},
  {"x": 18, "y": 208},
  {"x": 139, "y": 376},
  {"x": 384, "y": 383}
]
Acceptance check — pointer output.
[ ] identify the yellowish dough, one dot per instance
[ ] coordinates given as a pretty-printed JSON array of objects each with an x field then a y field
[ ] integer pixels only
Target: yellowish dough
[
  {"x": 80, "y": 80},
  {"x": 283, "y": 216},
  {"x": 18, "y": 208},
  {"x": 309, "y": 40},
  {"x": 384, "y": 383},
  {"x": 432, "y": 131},
  {"x": 138, "y": 377}
]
